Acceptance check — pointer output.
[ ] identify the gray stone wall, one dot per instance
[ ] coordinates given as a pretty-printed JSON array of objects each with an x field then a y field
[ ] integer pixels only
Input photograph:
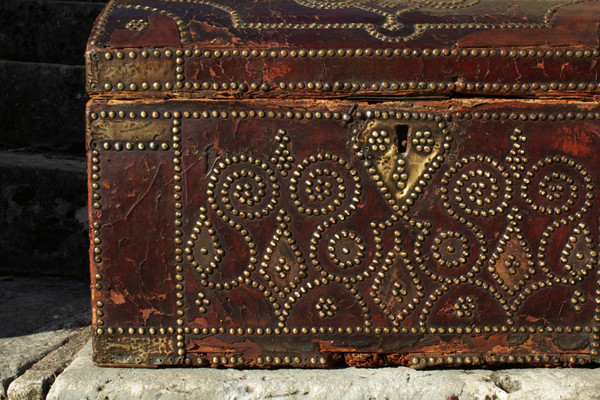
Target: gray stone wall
[{"x": 42, "y": 168}]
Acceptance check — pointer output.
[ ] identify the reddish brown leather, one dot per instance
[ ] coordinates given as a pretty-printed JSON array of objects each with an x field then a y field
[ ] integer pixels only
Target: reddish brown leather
[
  {"x": 397, "y": 303},
  {"x": 474, "y": 47},
  {"x": 290, "y": 195}
]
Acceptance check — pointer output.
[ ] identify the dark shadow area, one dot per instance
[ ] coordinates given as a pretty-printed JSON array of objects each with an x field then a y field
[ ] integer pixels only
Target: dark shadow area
[
  {"x": 33, "y": 305},
  {"x": 43, "y": 194},
  {"x": 43, "y": 216}
]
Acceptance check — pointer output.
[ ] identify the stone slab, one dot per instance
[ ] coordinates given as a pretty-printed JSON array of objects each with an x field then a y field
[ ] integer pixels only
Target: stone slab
[
  {"x": 84, "y": 380},
  {"x": 21, "y": 352},
  {"x": 43, "y": 215},
  {"x": 38, "y": 316},
  {"x": 42, "y": 106},
  {"x": 36, "y": 381}
]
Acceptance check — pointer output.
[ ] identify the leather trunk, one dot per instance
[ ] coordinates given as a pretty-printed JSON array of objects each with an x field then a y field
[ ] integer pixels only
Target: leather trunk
[{"x": 305, "y": 183}]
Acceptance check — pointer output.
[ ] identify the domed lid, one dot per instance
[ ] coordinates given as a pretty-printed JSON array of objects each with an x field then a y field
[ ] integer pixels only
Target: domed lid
[{"x": 344, "y": 48}]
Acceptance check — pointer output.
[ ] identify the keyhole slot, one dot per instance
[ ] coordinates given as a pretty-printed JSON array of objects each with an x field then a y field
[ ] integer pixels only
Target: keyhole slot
[{"x": 402, "y": 136}]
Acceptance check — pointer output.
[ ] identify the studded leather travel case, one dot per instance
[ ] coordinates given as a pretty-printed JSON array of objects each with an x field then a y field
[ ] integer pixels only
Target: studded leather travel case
[{"x": 305, "y": 183}]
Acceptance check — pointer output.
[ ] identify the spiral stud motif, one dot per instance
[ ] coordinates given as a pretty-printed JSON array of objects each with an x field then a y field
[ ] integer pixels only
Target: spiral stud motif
[
  {"x": 558, "y": 186},
  {"x": 323, "y": 184},
  {"x": 244, "y": 186}
]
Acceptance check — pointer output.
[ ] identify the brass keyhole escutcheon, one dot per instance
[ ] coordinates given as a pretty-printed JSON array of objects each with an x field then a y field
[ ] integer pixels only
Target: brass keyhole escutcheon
[
  {"x": 398, "y": 153},
  {"x": 401, "y": 133}
]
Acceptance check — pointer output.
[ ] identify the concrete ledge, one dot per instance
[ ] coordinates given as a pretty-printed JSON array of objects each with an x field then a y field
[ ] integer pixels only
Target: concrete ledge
[{"x": 84, "y": 380}]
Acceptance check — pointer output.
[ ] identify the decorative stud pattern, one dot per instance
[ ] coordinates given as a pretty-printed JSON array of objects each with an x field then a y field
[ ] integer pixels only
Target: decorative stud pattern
[
  {"x": 407, "y": 262},
  {"x": 390, "y": 11},
  {"x": 557, "y": 193},
  {"x": 183, "y": 30},
  {"x": 321, "y": 185},
  {"x": 394, "y": 30},
  {"x": 249, "y": 191},
  {"x": 96, "y": 238},
  {"x": 451, "y": 249},
  {"x": 282, "y": 156},
  {"x": 512, "y": 263},
  {"x": 326, "y": 307},
  {"x": 176, "y": 79},
  {"x": 397, "y": 289},
  {"x": 579, "y": 255},
  {"x": 100, "y": 25},
  {"x": 346, "y": 249},
  {"x": 283, "y": 266},
  {"x": 178, "y": 237},
  {"x": 137, "y": 25},
  {"x": 481, "y": 187},
  {"x": 465, "y": 306},
  {"x": 207, "y": 257}
]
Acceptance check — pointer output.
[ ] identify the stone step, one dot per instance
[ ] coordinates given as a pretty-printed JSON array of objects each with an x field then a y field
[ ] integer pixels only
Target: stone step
[
  {"x": 39, "y": 315},
  {"x": 20, "y": 353},
  {"x": 43, "y": 215},
  {"x": 36, "y": 381},
  {"x": 84, "y": 380},
  {"x": 46, "y": 31},
  {"x": 42, "y": 106}
]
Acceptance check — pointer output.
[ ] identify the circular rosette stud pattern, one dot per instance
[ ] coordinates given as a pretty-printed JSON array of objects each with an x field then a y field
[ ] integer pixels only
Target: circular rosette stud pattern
[
  {"x": 325, "y": 185},
  {"x": 451, "y": 249},
  {"x": 344, "y": 254},
  {"x": 451, "y": 256},
  {"x": 346, "y": 249}
]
